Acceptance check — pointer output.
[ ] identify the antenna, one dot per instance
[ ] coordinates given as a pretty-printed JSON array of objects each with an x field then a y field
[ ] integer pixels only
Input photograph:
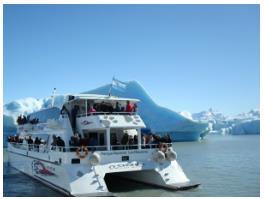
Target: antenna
[
  {"x": 53, "y": 97},
  {"x": 110, "y": 89}
]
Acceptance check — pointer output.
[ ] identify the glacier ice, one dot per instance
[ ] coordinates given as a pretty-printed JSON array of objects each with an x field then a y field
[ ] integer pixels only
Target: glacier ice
[{"x": 244, "y": 123}]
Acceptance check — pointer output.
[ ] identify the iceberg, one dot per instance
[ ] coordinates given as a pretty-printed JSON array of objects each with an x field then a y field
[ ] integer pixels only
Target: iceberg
[{"x": 159, "y": 119}]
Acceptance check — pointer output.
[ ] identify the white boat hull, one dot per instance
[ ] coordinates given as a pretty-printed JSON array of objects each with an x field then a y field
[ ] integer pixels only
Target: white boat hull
[{"x": 56, "y": 170}]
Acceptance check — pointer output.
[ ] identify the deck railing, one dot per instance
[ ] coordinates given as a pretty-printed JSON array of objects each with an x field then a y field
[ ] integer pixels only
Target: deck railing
[
  {"x": 105, "y": 113},
  {"x": 45, "y": 148}
]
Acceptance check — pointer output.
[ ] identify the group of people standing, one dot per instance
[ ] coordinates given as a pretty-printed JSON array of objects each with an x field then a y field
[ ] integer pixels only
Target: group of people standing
[
  {"x": 147, "y": 141},
  {"x": 22, "y": 119},
  {"x": 153, "y": 141},
  {"x": 38, "y": 144},
  {"x": 57, "y": 143},
  {"x": 98, "y": 107},
  {"x": 106, "y": 107},
  {"x": 14, "y": 139},
  {"x": 77, "y": 141}
]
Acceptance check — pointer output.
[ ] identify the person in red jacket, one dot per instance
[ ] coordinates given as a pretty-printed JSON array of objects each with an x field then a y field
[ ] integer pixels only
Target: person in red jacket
[{"x": 129, "y": 107}]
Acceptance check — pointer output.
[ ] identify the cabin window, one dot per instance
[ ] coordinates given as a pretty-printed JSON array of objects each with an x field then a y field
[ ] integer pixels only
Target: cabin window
[
  {"x": 101, "y": 139},
  {"x": 92, "y": 138}
]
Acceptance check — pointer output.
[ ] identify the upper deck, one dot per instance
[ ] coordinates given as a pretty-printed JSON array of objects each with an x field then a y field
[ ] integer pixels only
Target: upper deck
[
  {"x": 100, "y": 111},
  {"x": 103, "y": 120}
]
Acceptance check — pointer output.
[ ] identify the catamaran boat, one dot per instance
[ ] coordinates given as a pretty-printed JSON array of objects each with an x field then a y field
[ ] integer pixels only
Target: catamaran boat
[{"x": 74, "y": 147}]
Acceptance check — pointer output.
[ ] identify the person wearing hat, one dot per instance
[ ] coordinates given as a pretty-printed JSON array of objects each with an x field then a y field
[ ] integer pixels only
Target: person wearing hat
[{"x": 42, "y": 146}]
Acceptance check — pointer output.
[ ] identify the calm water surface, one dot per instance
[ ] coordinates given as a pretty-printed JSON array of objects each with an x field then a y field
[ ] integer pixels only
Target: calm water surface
[{"x": 224, "y": 165}]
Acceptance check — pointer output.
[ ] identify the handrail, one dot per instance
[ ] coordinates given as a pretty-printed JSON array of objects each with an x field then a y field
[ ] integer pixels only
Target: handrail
[
  {"x": 45, "y": 148},
  {"x": 105, "y": 113},
  {"x": 36, "y": 147},
  {"x": 133, "y": 146},
  {"x": 33, "y": 125}
]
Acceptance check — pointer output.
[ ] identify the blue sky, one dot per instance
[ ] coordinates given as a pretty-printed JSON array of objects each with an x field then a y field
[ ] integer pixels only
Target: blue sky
[{"x": 188, "y": 57}]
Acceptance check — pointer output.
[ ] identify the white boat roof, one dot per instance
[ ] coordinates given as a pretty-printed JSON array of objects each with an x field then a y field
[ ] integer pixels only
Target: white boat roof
[{"x": 102, "y": 97}]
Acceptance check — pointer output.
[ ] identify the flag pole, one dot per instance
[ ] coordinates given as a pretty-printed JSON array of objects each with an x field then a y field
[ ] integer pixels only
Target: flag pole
[{"x": 110, "y": 89}]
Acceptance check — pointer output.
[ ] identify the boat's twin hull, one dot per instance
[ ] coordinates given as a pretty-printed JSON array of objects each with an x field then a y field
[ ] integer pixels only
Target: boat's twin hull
[{"x": 87, "y": 180}]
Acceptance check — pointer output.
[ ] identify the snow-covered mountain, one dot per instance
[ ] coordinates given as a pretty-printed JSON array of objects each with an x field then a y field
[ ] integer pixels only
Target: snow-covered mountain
[
  {"x": 209, "y": 115},
  {"x": 244, "y": 123}
]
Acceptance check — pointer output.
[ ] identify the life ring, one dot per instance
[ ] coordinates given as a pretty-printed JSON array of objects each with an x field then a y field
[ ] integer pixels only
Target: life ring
[
  {"x": 94, "y": 159},
  {"x": 83, "y": 148},
  {"x": 171, "y": 154},
  {"x": 163, "y": 147},
  {"x": 159, "y": 156}
]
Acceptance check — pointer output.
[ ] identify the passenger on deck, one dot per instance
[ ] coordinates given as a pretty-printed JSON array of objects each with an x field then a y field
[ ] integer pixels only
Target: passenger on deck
[
  {"x": 93, "y": 142},
  {"x": 91, "y": 109},
  {"x": 36, "y": 144},
  {"x": 72, "y": 143},
  {"x": 42, "y": 146},
  {"x": 103, "y": 107},
  {"x": 156, "y": 141},
  {"x": 110, "y": 108},
  {"x": 124, "y": 140},
  {"x": 73, "y": 117},
  {"x": 16, "y": 138},
  {"x": 135, "y": 107},
  {"x": 84, "y": 141},
  {"x": 129, "y": 107},
  {"x": 113, "y": 139},
  {"x": 12, "y": 139},
  {"x": 97, "y": 107},
  {"x": 34, "y": 121},
  {"x": 117, "y": 107},
  {"x": 20, "y": 140},
  {"x": 131, "y": 142},
  {"x": 166, "y": 139},
  {"x": 25, "y": 141},
  {"x": 135, "y": 139},
  {"x": 60, "y": 144},
  {"x": 30, "y": 143},
  {"x": 64, "y": 110},
  {"x": 28, "y": 119},
  {"x": 54, "y": 142},
  {"x": 143, "y": 140},
  {"x": 24, "y": 119},
  {"x": 19, "y": 120},
  {"x": 77, "y": 137},
  {"x": 149, "y": 141}
]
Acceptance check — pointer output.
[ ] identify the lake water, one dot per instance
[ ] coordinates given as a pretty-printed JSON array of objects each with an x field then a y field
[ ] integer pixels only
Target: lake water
[{"x": 224, "y": 165}]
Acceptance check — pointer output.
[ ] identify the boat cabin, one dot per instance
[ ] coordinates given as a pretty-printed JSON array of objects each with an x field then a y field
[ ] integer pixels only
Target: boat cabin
[
  {"x": 104, "y": 121},
  {"x": 86, "y": 121}
]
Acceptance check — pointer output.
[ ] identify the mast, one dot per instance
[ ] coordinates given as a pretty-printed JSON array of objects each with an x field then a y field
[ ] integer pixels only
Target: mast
[
  {"x": 53, "y": 97},
  {"x": 110, "y": 89}
]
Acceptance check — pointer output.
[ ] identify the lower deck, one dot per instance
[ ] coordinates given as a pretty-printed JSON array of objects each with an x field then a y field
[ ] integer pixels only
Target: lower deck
[
  {"x": 80, "y": 155},
  {"x": 76, "y": 179}
]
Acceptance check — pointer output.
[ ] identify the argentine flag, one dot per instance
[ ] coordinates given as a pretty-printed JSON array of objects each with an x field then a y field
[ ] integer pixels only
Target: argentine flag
[{"x": 118, "y": 85}]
